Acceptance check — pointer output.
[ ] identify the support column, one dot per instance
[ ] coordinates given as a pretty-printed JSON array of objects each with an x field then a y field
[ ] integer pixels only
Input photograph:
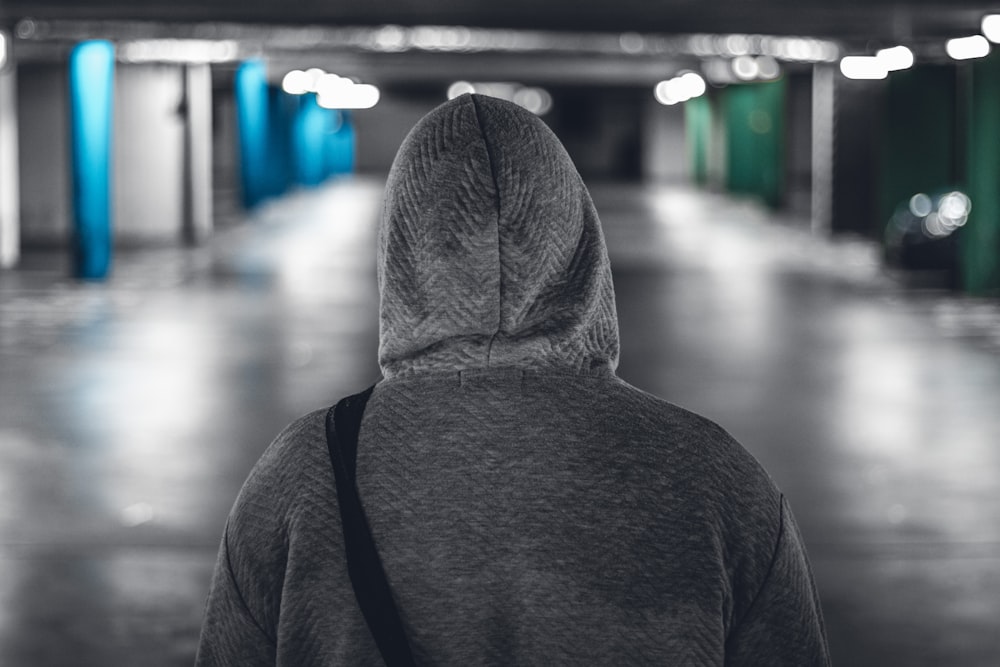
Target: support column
[
  {"x": 252, "y": 111},
  {"x": 755, "y": 125},
  {"x": 10, "y": 223},
  {"x": 980, "y": 240},
  {"x": 197, "y": 179},
  {"x": 91, "y": 81},
  {"x": 698, "y": 122},
  {"x": 821, "y": 198}
]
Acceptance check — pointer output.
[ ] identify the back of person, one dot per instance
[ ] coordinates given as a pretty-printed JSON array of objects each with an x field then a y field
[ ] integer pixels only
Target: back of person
[{"x": 528, "y": 505}]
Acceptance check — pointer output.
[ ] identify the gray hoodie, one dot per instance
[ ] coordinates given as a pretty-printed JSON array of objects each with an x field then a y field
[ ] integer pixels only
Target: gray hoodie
[{"x": 529, "y": 506}]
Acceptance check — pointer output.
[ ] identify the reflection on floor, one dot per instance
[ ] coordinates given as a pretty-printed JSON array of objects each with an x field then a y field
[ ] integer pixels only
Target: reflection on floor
[{"x": 130, "y": 413}]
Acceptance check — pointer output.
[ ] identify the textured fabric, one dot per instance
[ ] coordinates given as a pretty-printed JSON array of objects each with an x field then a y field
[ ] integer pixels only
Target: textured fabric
[{"x": 530, "y": 507}]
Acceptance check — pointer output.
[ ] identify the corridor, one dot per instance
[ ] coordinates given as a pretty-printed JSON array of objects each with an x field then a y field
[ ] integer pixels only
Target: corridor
[{"x": 131, "y": 412}]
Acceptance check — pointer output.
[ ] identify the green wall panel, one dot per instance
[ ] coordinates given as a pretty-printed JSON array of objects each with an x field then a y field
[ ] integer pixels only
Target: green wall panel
[
  {"x": 698, "y": 123},
  {"x": 918, "y": 136},
  {"x": 755, "y": 131},
  {"x": 980, "y": 241}
]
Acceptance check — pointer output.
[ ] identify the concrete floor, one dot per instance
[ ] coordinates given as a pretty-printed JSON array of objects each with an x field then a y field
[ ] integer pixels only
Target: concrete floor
[{"x": 130, "y": 413}]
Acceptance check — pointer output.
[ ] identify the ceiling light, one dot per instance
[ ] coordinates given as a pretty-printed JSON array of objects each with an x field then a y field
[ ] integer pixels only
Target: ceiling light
[
  {"x": 964, "y": 48},
  {"x": 863, "y": 67},
  {"x": 991, "y": 27},
  {"x": 897, "y": 58}
]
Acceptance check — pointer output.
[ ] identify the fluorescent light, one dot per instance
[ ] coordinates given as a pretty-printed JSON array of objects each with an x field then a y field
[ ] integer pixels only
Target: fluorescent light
[
  {"x": 460, "y": 88},
  {"x": 897, "y": 58},
  {"x": 3, "y": 49},
  {"x": 991, "y": 27},
  {"x": 295, "y": 82},
  {"x": 680, "y": 88},
  {"x": 964, "y": 48},
  {"x": 179, "y": 51},
  {"x": 863, "y": 67},
  {"x": 349, "y": 96}
]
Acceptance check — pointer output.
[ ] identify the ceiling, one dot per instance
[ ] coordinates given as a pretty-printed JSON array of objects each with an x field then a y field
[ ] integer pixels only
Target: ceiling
[{"x": 851, "y": 21}]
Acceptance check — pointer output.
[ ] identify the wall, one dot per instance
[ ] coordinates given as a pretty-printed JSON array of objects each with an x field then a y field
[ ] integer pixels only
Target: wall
[
  {"x": 379, "y": 131},
  {"x": 664, "y": 146},
  {"x": 148, "y": 152},
  {"x": 43, "y": 141}
]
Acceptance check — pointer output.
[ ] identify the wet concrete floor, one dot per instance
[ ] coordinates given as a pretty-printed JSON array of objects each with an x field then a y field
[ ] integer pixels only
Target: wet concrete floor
[{"x": 131, "y": 411}]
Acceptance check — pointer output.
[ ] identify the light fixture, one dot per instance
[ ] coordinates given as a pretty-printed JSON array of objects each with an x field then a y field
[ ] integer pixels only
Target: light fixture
[
  {"x": 964, "y": 48},
  {"x": 681, "y": 88},
  {"x": 991, "y": 27},
  {"x": 332, "y": 91},
  {"x": 896, "y": 58},
  {"x": 863, "y": 67}
]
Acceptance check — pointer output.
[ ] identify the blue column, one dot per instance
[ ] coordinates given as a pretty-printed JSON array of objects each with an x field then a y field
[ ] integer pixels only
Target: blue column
[
  {"x": 340, "y": 144},
  {"x": 252, "y": 116},
  {"x": 91, "y": 83},
  {"x": 308, "y": 137}
]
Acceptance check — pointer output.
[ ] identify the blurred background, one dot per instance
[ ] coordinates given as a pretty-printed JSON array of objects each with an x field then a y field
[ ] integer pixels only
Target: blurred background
[{"x": 802, "y": 207}]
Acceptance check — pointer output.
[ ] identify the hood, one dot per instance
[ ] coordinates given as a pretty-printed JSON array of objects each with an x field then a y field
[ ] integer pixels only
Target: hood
[{"x": 490, "y": 251}]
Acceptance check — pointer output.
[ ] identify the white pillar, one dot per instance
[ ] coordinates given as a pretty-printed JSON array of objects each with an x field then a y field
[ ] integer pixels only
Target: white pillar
[
  {"x": 10, "y": 225},
  {"x": 823, "y": 101},
  {"x": 197, "y": 152}
]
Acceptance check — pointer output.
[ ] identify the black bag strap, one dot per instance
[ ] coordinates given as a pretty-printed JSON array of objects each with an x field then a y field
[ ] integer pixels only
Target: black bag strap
[{"x": 371, "y": 588}]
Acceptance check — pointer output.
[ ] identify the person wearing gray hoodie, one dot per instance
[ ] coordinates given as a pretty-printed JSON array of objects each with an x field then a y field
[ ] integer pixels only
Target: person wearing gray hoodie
[{"x": 529, "y": 506}]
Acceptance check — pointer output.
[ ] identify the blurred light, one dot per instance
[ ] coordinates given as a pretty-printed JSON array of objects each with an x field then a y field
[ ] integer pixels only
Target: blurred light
[
  {"x": 679, "y": 89},
  {"x": 932, "y": 226},
  {"x": 768, "y": 68},
  {"x": 745, "y": 68},
  {"x": 390, "y": 38},
  {"x": 737, "y": 45},
  {"x": 954, "y": 209},
  {"x": 631, "y": 42},
  {"x": 921, "y": 205},
  {"x": 536, "y": 100},
  {"x": 460, "y": 88},
  {"x": 26, "y": 28},
  {"x": 665, "y": 92},
  {"x": 179, "y": 51},
  {"x": 964, "y": 48},
  {"x": 718, "y": 71},
  {"x": 694, "y": 85},
  {"x": 895, "y": 59},
  {"x": 330, "y": 85},
  {"x": 991, "y": 27},
  {"x": 3, "y": 49},
  {"x": 313, "y": 75},
  {"x": 295, "y": 82},
  {"x": 863, "y": 67},
  {"x": 349, "y": 95},
  {"x": 332, "y": 91}
]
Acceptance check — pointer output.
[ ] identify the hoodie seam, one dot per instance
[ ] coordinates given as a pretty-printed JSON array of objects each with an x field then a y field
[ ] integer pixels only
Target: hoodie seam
[{"x": 496, "y": 184}]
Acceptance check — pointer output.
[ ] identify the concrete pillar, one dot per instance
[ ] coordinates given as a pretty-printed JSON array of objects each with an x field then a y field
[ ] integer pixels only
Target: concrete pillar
[
  {"x": 10, "y": 224},
  {"x": 821, "y": 197},
  {"x": 197, "y": 179},
  {"x": 663, "y": 143}
]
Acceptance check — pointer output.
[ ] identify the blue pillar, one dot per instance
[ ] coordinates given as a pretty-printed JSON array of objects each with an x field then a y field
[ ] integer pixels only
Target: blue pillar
[
  {"x": 282, "y": 109},
  {"x": 308, "y": 137},
  {"x": 340, "y": 144},
  {"x": 252, "y": 116},
  {"x": 91, "y": 84}
]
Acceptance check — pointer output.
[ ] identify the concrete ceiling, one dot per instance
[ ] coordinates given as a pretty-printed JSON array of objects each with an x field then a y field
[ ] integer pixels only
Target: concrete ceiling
[{"x": 847, "y": 20}]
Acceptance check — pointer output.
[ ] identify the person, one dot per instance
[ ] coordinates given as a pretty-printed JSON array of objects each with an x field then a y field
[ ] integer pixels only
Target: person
[{"x": 528, "y": 505}]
